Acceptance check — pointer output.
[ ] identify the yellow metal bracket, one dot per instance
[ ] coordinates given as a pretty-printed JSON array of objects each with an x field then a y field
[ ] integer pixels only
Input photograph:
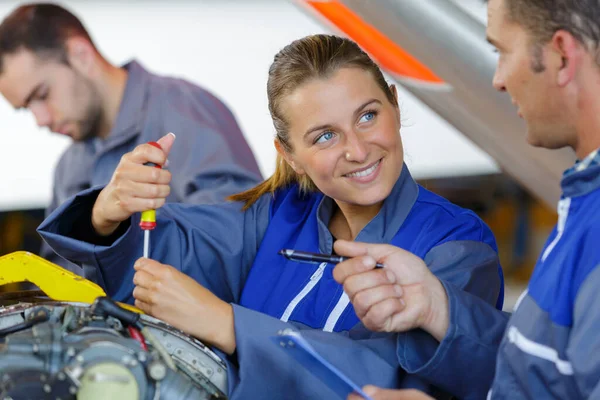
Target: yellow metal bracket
[{"x": 56, "y": 282}]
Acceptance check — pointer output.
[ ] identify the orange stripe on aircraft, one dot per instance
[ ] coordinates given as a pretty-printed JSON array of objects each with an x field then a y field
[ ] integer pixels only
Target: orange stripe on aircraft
[{"x": 387, "y": 53}]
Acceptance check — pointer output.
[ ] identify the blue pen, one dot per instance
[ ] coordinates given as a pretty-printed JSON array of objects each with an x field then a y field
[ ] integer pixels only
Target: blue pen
[{"x": 315, "y": 258}]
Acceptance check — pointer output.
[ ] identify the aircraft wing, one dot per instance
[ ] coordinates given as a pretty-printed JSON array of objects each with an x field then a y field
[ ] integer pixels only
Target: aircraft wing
[{"x": 437, "y": 50}]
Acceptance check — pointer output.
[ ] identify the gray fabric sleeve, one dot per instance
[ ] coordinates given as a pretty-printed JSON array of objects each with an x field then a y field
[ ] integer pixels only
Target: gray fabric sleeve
[
  {"x": 463, "y": 363},
  {"x": 206, "y": 166},
  {"x": 584, "y": 343},
  {"x": 45, "y": 250},
  {"x": 264, "y": 371}
]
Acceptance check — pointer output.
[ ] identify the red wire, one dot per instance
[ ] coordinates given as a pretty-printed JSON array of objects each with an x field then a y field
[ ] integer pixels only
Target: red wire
[{"x": 137, "y": 335}]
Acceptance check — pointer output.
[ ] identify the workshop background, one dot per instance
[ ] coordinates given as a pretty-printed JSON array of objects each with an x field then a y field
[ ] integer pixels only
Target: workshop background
[{"x": 227, "y": 47}]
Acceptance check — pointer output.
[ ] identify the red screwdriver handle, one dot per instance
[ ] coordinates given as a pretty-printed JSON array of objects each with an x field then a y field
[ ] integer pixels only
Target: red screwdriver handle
[
  {"x": 148, "y": 218},
  {"x": 151, "y": 163}
]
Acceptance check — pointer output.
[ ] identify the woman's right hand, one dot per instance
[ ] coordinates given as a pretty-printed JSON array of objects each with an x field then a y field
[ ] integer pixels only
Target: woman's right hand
[{"x": 134, "y": 187}]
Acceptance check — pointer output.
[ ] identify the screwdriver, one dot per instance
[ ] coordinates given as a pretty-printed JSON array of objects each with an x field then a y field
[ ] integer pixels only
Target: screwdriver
[{"x": 148, "y": 219}]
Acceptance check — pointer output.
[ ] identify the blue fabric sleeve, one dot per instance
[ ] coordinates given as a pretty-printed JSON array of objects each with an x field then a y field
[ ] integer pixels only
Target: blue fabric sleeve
[
  {"x": 463, "y": 363},
  {"x": 584, "y": 342},
  {"x": 214, "y": 244},
  {"x": 262, "y": 370}
]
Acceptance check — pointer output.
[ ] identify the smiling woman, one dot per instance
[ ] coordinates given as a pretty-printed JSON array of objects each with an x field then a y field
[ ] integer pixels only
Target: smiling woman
[
  {"x": 355, "y": 154},
  {"x": 340, "y": 174},
  {"x": 337, "y": 132}
]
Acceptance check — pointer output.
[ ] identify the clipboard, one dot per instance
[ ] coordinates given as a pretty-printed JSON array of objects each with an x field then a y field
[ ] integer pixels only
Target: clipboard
[{"x": 292, "y": 343}]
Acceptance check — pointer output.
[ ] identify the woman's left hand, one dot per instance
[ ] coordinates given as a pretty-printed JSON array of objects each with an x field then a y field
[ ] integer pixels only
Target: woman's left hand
[{"x": 168, "y": 294}]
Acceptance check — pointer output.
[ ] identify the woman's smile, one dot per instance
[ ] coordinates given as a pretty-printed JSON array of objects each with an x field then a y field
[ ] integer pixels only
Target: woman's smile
[{"x": 367, "y": 174}]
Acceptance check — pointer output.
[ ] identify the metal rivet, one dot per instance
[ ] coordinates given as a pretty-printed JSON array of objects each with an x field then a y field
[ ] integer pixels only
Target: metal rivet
[
  {"x": 47, "y": 388},
  {"x": 157, "y": 370}
]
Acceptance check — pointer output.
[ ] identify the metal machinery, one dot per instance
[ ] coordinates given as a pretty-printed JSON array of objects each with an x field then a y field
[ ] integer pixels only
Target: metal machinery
[{"x": 54, "y": 344}]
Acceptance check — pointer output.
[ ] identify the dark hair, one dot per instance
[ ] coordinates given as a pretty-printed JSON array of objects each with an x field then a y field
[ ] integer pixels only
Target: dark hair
[
  {"x": 542, "y": 18},
  {"x": 316, "y": 56},
  {"x": 42, "y": 28}
]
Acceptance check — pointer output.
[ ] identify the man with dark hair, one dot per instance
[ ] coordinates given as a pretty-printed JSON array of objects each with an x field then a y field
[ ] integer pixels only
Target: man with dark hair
[
  {"x": 550, "y": 66},
  {"x": 49, "y": 65}
]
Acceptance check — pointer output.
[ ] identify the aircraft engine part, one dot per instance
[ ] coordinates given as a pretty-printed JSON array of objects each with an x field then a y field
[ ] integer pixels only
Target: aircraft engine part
[{"x": 63, "y": 350}]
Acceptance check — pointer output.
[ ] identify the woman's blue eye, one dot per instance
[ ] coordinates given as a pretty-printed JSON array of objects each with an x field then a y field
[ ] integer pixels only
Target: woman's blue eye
[
  {"x": 367, "y": 117},
  {"x": 324, "y": 137}
]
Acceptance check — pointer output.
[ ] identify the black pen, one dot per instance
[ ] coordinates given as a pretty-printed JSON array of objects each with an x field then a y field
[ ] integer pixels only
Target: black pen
[{"x": 303, "y": 256}]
